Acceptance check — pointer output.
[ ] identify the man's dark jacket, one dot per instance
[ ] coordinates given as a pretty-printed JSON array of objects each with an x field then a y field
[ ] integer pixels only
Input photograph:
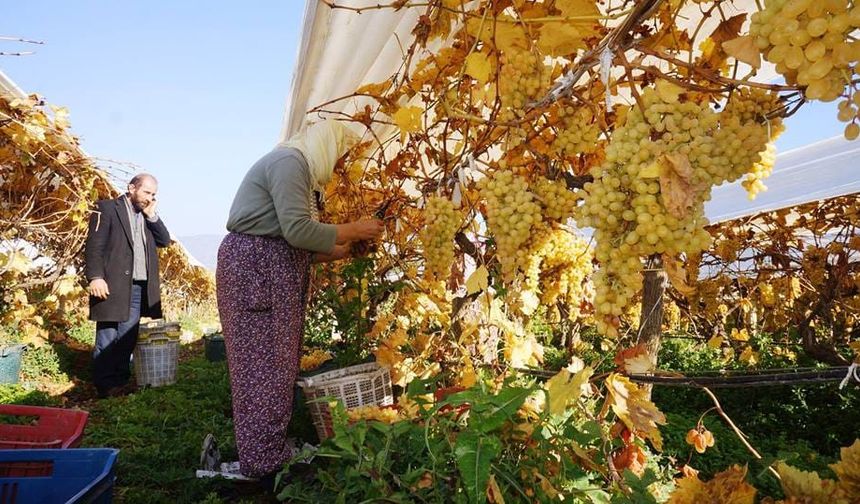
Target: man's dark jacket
[{"x": 109, "y": 255}]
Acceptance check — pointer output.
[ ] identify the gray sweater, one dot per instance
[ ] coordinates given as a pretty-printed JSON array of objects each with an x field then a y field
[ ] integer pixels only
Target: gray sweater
[{"x": 274, "y": 199}]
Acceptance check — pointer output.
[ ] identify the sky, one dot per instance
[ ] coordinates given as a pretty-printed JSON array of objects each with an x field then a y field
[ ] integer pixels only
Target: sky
[{"x": 192, "y": 92}]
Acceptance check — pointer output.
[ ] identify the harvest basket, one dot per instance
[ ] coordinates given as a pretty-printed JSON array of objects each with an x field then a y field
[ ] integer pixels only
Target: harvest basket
[
  {"x": 54, "y": 427},
  {"x": 71, "y": 476},
  {"x": 354, "y": 386},
  {"x": 155, "y": 361},
  {"x": 158, "y": 330}
]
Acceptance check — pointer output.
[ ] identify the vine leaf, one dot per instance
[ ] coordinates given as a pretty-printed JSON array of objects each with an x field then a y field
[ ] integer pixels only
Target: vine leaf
[
  {"x": 744, "y": 49},
  {"x": 727, "y": 487},
  {"x": 676, "y": 184},
  {"x": 631, "y": 405}
]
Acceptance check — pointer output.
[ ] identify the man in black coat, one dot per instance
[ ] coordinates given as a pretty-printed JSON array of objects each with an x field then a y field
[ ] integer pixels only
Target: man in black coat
[{"x": 122, "y": 270}]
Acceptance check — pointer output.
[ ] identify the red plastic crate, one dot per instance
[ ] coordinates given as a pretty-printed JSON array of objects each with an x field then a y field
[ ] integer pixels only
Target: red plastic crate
[{"x": 55, "y": 428}]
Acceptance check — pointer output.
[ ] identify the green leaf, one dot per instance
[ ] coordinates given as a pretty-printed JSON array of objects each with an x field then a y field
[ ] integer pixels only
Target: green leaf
[
  {"x": 501, "y": 407},
  {"x": 639, "y": 493},
  {"x": 585, "y": 488},
  {"x": 475, "y": 453}
]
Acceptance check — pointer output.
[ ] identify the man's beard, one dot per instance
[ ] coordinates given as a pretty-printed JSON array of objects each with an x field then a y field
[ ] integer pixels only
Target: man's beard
[{"x": 136, "y": 204}]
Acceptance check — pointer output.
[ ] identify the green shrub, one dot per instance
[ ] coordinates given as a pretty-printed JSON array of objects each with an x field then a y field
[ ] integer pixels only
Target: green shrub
[
  {"x": 83, "y": 333},
  {"x": 19, "y": 394}
]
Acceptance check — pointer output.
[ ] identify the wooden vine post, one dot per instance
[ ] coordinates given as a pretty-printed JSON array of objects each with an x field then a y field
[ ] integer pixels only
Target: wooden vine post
[{"x": 651, "y": 319}]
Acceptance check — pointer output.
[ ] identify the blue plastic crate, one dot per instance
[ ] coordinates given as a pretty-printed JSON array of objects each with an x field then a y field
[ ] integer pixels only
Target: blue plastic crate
[{"x": 73, "y": 475}]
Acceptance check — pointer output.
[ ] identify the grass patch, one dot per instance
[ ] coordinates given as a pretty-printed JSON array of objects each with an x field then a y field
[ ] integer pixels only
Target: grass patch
[{"x": 159, "y": 432}]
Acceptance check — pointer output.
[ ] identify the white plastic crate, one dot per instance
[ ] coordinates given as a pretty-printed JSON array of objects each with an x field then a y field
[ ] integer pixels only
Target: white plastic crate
[
  {"x": 155, "y": 362},
  {"x": 354, "y": 386}
]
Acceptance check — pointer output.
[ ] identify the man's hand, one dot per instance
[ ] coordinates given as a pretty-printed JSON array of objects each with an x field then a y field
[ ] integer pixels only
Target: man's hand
[
  {"x": 149, "y": 210},
  {"x": 99, "y": 288}
]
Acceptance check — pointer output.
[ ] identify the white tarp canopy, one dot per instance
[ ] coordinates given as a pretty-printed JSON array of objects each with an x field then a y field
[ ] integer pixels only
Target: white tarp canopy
[
  {"x": 813, "y": 172},
  {"x": 341, "y": 50}
]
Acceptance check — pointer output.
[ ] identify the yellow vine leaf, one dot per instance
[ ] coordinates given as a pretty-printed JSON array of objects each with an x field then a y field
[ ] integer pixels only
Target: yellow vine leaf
[
  {"x": 545, "y": 485},
  {"x": 478, "y": 66},
  {"x": 848, "y": 470},
  {"x": 478, "y": 280},
  {"x": 16, "y": 262},
  {"x": 741, "y": 335},
  {"x": 632, "y": 406},
  {"x": 807, "y": 485},
  {"x": 713, "y": 54},
  {"x": 467, "y": 376},
  {"x": 676, "y": 184},
  {"x": 855, "y": 346},
  {"x": 710, "y": 52},
  {"x": 494, "y": 493},
  {"x": 65, "y": 285},
  {"x": 715, "y": 342},
  {"x": 635, "y": 360},
  {"x": 744, "y": 49},
  {"x": 560, "y": 39},
  {"x": 508, "y": 35},
  {"x": 566, "y": 387},
  {"x": 727, "y": 487},
  {"x": 529, "y": 302},
  {"x": 61, "y": 117},
  {"x": 579, "y": 8},
  {"x": 408, "y": 119},
  {"x": 795, "y": 289},
  {"x": 749, "y": 356},
  {"x": 33, "y": 335},
  {"x": 522, "y": 351},
  {"x": 677, "y": 276},
  {"x": 374, "y": 89}
]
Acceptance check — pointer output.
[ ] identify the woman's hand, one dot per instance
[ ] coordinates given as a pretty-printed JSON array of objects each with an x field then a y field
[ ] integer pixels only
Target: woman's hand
[
  {"x": 337, "y": 253},
  {"x": 368, "y": 229},
  {"x": 340, "y": 252}
]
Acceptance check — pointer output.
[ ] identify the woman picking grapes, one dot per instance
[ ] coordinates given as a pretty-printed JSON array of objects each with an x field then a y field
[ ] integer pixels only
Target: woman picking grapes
[{"x": 262, "y": 282}]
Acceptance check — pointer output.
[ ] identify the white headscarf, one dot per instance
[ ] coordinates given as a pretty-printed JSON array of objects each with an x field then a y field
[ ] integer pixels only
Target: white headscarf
[{"x": 322, "y": 144}]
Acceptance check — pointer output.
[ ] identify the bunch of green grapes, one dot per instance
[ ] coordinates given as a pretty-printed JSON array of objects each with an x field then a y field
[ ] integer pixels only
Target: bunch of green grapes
[
  {"x": 677, "y": 140},
  {"x": 743, "y": 137},
  {"x": 566, "y": 266},
  {"x": 522, "y": 78},
  {"x": 441, "y": 223},
  {"x": 576, "y": 132},
  {"x": 556, "y": 268},
  {"x": 512, "y": 210},
  {"x": 850, "y": 113},
  {"x": 760, "y": 171},
  {"x": 557, "y": 200},
  {"x": 812, "y": 43}
]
